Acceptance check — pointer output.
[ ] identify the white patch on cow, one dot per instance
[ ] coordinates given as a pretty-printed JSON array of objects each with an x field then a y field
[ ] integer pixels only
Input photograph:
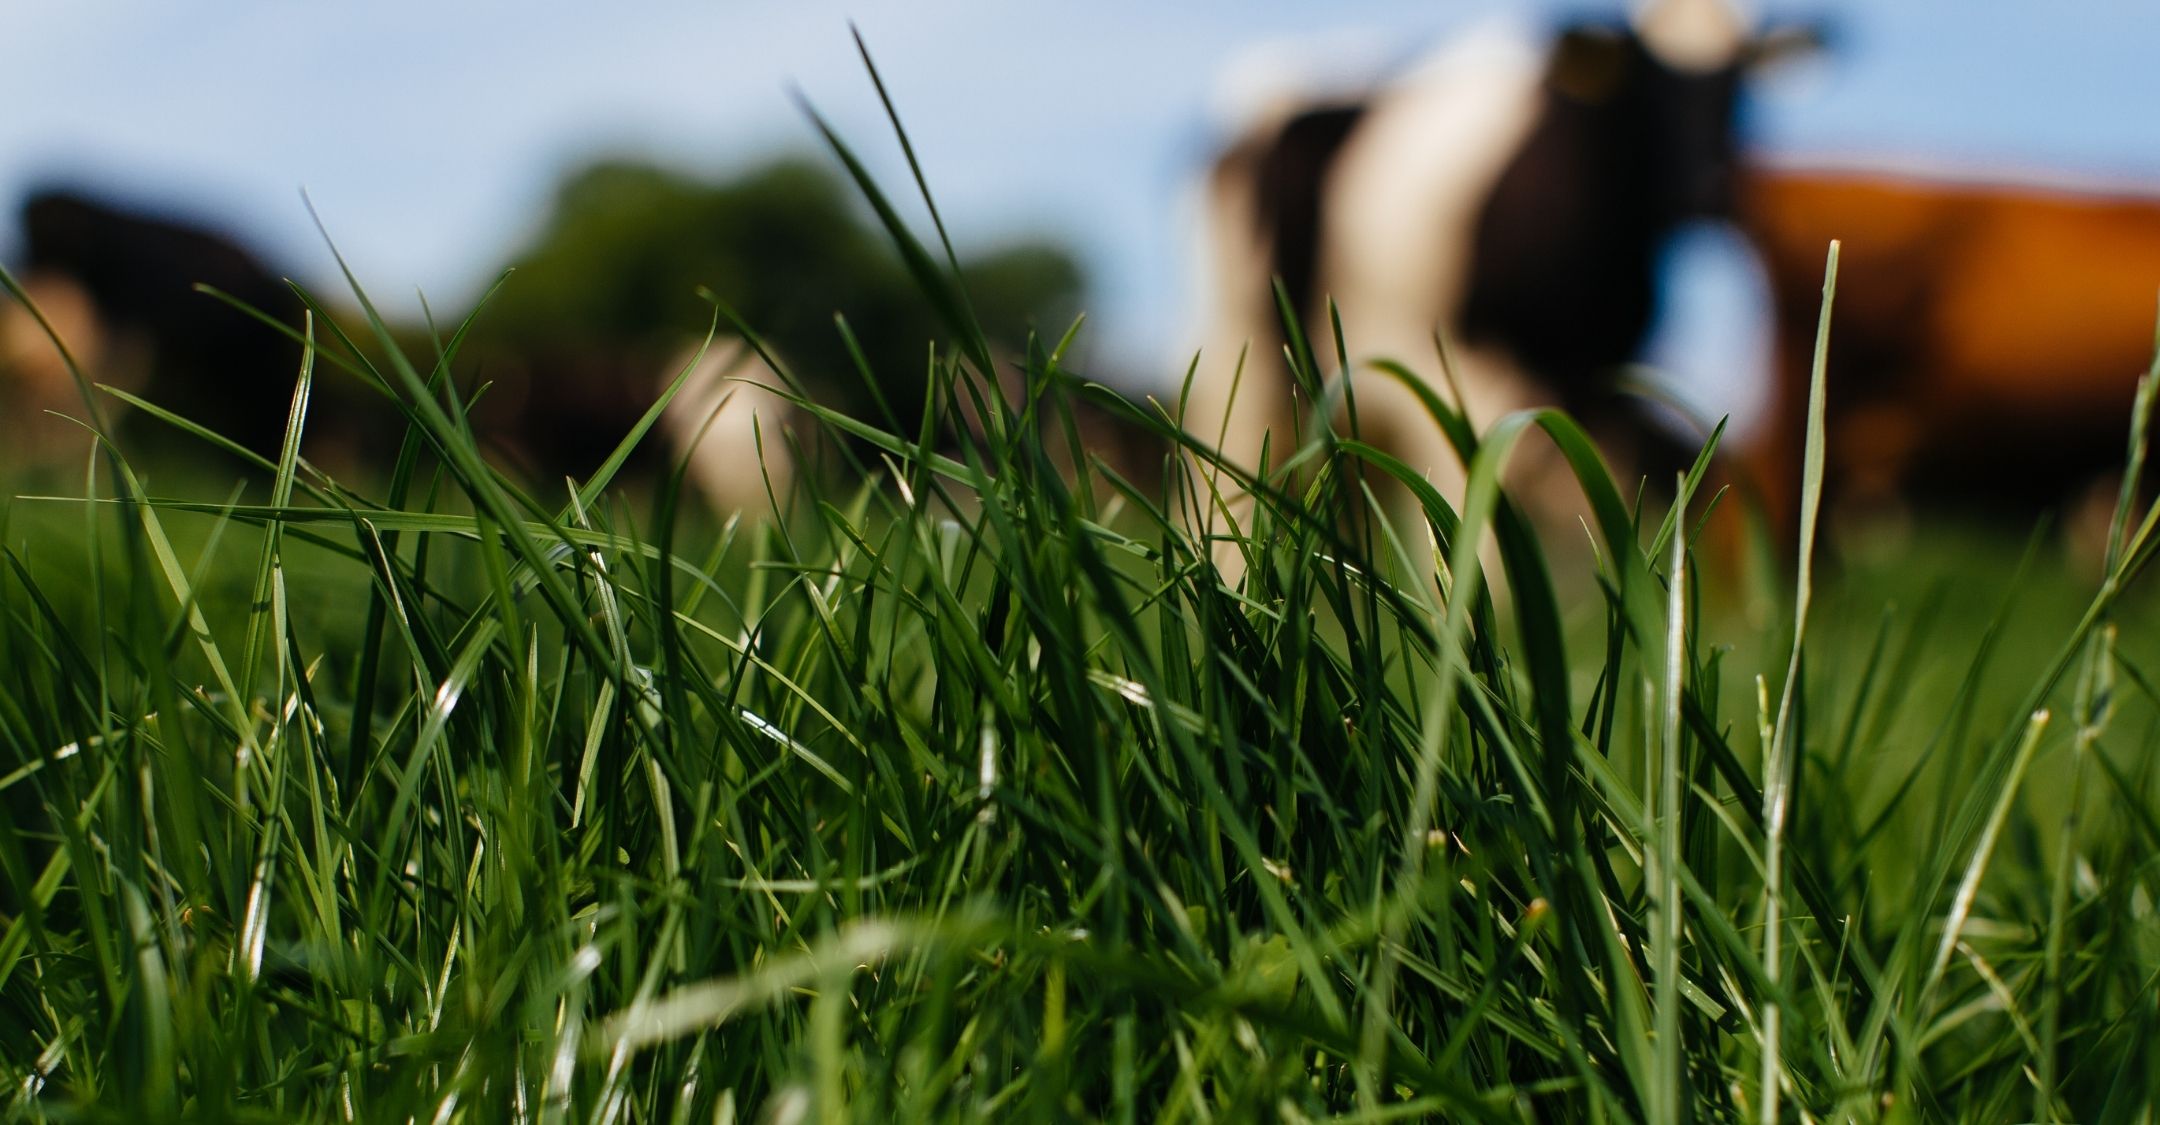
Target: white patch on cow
[
  {"x": 1399, "y": 226},
  {"x": 730, "y": 385},
  {"x": 1697, "y": 35}
]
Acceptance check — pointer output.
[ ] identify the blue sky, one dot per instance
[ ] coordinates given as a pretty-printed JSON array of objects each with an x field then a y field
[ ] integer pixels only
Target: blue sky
[{"x": 427, "y": 134}]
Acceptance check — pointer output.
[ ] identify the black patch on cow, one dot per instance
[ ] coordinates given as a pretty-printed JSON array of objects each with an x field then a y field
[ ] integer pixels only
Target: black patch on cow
[
  {"x": 1292, "y": 175},
  {"x": 1563, "y": 265},
  {"x": 1560, "y": 260},
  {"x": 210, "y": 362},
  {"x": 1563, "y": 270}
]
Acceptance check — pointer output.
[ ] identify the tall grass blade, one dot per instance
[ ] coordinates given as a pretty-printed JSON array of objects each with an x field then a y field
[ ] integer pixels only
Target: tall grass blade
[{"x": 1781, "y": 757}]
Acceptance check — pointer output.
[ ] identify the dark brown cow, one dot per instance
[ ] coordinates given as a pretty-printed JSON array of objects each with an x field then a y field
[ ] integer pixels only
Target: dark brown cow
[
  {"x": 1985, "y": 343},
  {"x": 143, "y": 324}
]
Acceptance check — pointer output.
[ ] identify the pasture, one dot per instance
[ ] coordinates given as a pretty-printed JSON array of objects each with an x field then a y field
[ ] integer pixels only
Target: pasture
[{"x": 973, "y": 792}]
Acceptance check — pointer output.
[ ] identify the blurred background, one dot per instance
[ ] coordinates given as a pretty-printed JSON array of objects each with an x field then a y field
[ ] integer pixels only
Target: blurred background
[{"x": 441, "y": 143}]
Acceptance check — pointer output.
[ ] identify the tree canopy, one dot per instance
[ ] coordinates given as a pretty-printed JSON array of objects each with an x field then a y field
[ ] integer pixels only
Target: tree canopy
[{"x": 615, "y": 270}]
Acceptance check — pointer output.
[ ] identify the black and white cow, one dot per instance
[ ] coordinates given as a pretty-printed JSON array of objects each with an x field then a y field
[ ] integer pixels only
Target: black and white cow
[{"x": 1509, "y": 193}]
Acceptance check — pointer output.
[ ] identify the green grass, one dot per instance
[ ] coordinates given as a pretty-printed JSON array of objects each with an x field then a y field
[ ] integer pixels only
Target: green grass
[{"x": 975, "y": 793}]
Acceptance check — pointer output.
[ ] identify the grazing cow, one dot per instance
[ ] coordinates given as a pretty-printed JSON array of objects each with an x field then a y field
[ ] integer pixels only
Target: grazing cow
[
  {"x": 141, "y": 322},
  {"x": 1985, "y": 342},
  {"x": 1508, "y": 194}
]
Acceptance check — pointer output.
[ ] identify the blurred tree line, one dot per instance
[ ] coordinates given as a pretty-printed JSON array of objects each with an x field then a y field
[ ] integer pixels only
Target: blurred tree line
[
  {"x": 593, "y": 316},
  {"x": 604, "y": 300}
]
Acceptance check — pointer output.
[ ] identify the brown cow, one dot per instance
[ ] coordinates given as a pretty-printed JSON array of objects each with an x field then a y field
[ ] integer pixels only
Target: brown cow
[
  {"x": 1985, "y": 343},
  {"x": 144, "y": 324}
]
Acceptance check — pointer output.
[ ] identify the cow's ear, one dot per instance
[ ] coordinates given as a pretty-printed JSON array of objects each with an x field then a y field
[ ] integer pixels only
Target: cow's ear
[
  {"x": 1589, "y": 63},
  {"x": 1789, "y": 43}
]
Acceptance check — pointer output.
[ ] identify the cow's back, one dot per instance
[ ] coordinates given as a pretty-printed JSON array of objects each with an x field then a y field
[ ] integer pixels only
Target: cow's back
[{"x": 1982, "y": 285}]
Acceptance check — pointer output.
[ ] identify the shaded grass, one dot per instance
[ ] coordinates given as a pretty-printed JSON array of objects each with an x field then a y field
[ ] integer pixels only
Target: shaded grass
[{"x": 976, "y": 793}]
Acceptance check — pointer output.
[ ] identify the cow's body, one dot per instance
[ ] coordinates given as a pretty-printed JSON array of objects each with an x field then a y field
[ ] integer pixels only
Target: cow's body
[
  {"x": 1509, "y": 195},
  {"x": 1986, "y": 338},
  {"x": 193, "y": 353}
]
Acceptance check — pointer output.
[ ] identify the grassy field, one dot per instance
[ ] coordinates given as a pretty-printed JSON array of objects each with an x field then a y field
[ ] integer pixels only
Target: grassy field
[{"x": 975, "y": 793}]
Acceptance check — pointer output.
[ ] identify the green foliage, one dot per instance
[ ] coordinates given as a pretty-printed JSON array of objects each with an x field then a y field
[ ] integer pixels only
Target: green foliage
[{"x": 626, "y": 248}]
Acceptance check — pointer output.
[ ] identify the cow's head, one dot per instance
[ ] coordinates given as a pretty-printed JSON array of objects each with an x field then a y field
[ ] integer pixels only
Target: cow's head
[{"x": 1664, "y": 90}]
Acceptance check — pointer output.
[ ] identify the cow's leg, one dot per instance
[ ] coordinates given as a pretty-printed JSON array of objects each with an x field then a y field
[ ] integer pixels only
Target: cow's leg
[
  {"x": 1241, "y": 407},
  {"x": 1238, "y": 402},
  {"x": 1485, "y": 387}
]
